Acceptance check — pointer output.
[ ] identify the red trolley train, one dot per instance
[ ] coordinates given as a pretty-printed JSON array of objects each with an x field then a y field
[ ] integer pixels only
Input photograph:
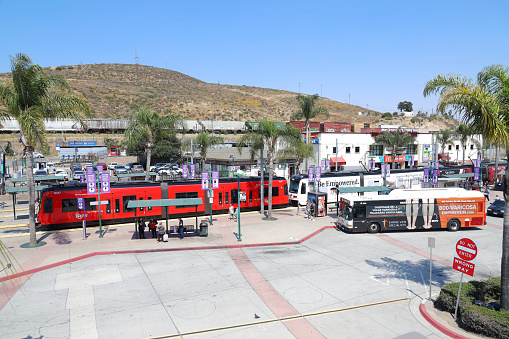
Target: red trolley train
[{"x": 59, "y": 204}]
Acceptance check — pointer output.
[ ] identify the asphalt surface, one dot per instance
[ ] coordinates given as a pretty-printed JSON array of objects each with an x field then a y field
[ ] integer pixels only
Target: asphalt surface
[{"x": 288, "y": 278}]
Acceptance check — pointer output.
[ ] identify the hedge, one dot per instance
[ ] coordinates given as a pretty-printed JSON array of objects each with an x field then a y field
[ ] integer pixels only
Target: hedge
[{"x": 478, "y": 319}]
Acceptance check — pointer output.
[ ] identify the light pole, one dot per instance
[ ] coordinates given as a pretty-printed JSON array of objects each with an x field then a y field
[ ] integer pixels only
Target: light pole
[
  {"x": 238, "y": 199},
  {"x": 212, "y": 124}
]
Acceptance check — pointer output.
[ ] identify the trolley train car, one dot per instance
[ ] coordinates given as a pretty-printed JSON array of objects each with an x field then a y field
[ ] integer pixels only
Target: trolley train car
[{"x": 59, "y": 203}]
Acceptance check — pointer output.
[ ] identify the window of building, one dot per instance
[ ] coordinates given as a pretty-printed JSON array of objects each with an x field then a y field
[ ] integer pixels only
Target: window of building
[
  {"x": 357, "y": 149},
  {"x": 457, "y": 147},
  {"x": 334, "y": 149},
  {"x": 347, "y": 149},
  {"x": 411, "y": 149},
  {"x": 471, "y": 147},
  {"x": 450, "y": 147},
  {"x": 376, "y": 150}
]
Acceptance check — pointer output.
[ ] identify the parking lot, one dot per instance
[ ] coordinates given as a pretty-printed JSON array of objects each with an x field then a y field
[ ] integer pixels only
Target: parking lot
[{"x": 289, "y": 278}]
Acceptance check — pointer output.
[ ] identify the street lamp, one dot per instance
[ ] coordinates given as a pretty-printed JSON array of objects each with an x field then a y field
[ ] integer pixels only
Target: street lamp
[{"x": 238, "y": 198}]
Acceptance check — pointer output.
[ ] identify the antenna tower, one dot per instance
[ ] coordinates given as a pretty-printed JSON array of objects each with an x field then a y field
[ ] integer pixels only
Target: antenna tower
[{"x": 136, "y": 59}]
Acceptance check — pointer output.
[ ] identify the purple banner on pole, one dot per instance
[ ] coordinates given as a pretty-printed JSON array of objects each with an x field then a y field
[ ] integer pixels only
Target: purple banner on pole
[
  {"x": 81, "y": 204},
  {"x": 89, "y": 169},
  {"x": 311, "y": 174},
  {"x": 82, "y": 178},
  {"x": 425, "y": 178},
  {"x": 387, "y": 170},
  {"x": 382, "y": 170},
  {"x": 91, "y": 184},
  {"x": 193, "y": 170},
  {"x": 434, "y": 176},
  {"x": 477, "y": 173},
  {"x": 322, "y": 165},
  {"x": 184, "y": 171},
  {"x": 328, "y": 165},
  {"x": 105, "y": 182},
  {"x": 318, "y": 174},
  {"x": 100, "y": 169},
  {"x": 205, "y": 180},
  {"x": 215, "y": 179}
]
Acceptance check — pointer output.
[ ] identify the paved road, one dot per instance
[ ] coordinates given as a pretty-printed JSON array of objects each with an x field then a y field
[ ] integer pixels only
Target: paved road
[{"x": 293, "y": 278}]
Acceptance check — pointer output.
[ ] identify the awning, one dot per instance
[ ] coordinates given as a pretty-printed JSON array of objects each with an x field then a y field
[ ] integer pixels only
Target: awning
[
  {"x": 363, "y": 189},
  {"x": 341, "y": 161}
]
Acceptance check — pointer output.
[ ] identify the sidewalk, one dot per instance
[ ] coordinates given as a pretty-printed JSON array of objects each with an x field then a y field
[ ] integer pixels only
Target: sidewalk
[{"x": 67, "y": 247}]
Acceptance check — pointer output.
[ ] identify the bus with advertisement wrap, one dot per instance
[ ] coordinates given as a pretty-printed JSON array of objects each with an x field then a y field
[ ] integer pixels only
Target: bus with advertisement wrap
[{"x": 412, "y": 209}]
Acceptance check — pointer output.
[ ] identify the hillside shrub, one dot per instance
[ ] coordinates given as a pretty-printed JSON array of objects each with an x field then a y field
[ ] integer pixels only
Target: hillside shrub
[{"x": 471, "y": 316}]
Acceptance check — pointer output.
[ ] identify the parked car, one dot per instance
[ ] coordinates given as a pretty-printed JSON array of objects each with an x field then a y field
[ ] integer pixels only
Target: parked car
[
  {"x": 76, "y": 175},
  {"x": 137, "y": 169},
  {"x": 75, "y": 165},
  {"x": 38, "y": 155},
  {"x": 497, "y": 208},
  {"x": 101, "y": 164},
  {"x": 156, "y": 166},
  {"x": 119, "y": 169},
  {"x": 112, "y": 165},
  {"x": 40, "y": 173},
  {"x": 162, "y": 168},
  {"x": 129, "y": 166},
  {"x": 62, "y": 173}
]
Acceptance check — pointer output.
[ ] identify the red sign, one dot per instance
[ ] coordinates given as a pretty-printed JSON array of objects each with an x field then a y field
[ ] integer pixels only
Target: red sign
[
  {"x": 466, "y": 249},
  {"x": 463, "y": 266}
]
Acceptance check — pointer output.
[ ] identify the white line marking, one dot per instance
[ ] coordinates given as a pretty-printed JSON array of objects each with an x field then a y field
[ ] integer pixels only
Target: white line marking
[
  {"x": 424, "y": 284},
  {"x": 407, "y": 287}
]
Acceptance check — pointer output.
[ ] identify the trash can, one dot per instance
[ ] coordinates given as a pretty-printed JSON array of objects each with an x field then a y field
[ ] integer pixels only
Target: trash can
[{"x": 204, "y": 230}]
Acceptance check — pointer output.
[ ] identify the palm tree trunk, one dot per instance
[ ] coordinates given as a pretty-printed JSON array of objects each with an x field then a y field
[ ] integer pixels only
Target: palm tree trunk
[
  {"x": 149, "y": 155},
  {"x": 307, "y": 142},
  {"x": 31, "y": 194},
  {"x": 504, "y": 297}
]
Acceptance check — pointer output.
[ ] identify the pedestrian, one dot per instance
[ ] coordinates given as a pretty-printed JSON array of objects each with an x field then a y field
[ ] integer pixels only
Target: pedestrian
[
  {"x": 496, "y": 197},
  {"x": 236, "y": 213},
  {"x": 312, "y": 211},
  {"x": 487, "y": 193},
  {"x": 231, "y": 211},
  {"x": 181, "y": 229},
  {"x": 141, "y": 228},
  {"x": 307, "y": 209},
  {"x": 152, "y": 226},
  {"x": 160, "y": 232}
]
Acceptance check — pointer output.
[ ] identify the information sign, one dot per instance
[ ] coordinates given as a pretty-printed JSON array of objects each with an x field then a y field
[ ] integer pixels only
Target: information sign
[{"x": 105, "y": 182}]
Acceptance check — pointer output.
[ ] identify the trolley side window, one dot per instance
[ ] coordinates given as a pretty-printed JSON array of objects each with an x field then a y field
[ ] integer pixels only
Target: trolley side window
[
  {"x": 275, "y": 191},
  {"x": 149, "y": 208},
  {"x": 226, "y": 198},
  {"x": 69, "y": 205},
  {"x": 48, "y": 205},
  {"x": 108, "y": 207},
  {"x": 186, "y": 195},
  {"x": 235, "y": 196},
  {"x": 250, "y": 196},
  {"x": 89, "y": 207},
  {"x": 141, "y": 208},
  {"x": 285, "y": 189},
  {"x": 220, "y": 198},
  {"x": 117, "y": 205},
  {"x": 303, "y": 188},
  {"x": 126, "y": 200}
]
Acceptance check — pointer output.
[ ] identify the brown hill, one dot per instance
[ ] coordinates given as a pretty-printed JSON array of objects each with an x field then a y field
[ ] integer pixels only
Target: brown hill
[{"x": 113, "y": 89}]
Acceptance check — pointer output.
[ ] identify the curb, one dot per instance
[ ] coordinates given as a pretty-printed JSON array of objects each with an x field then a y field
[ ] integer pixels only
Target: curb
[{"x": 437, "y": 325}]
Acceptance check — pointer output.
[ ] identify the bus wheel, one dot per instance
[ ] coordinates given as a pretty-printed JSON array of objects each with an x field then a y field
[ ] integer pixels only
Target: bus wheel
[
  {"x": 453, "y": 225},
  {"x": 374, "y": 228}
]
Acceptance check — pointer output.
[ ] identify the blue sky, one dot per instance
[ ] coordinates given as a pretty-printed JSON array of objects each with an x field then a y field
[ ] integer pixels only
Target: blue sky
[{"x": 371, "y": 53}]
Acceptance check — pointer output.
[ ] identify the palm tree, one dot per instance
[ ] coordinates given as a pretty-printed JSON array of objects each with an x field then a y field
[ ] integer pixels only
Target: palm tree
[
  {"x": 266, "y": 135},
  {"x": 463, "y": 133},
  {"x": 486, "y": 107},
  {"x": 394, "y": 141},
  {"x": 149, "y": 124},
  {"x": 445, "y": 137},
  {"x": 30, "y": 98},
  {"x": 296, "y": 149},
  {"x": 308, "y": 111},
  {"x": 203, "y": 141}
]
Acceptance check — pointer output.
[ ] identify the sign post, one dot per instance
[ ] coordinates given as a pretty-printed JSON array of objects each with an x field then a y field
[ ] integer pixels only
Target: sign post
[
  {"x": 81, "y": 206},
  {"x": 431, "y": 245},
  {"x": 466, "y": 250}
]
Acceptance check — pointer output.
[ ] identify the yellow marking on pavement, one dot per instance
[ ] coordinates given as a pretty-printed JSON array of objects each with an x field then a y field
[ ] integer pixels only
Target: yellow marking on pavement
[
  {"x": 11, "y": 215},
  {"x": 275, "y": 320},
  {"x": 11, "y": 211}
]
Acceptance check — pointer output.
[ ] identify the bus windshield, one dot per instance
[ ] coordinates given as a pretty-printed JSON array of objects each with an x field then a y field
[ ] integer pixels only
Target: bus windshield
[
  {"x": 294, "y": 184},
  {"x": 345, "y": 211}
]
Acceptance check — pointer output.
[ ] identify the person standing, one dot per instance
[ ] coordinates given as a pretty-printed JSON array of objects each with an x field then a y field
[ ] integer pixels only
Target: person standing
[
  {"x": 231, "y": 211},
  {"x": 152, "y": 227},
  {"x": 160, "y": 232},
  {"x": 487, "y": 193},
  {"x": 308, "y": 209},
  {"x": 312, "y": 210},
  {"x": 181, "y": 229},
  {"x": 141, "y": 228}
]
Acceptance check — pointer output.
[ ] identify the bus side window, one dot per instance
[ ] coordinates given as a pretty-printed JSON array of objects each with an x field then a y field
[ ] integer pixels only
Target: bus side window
[
  {"x": 303, "y": 189},
  {"x": 359, "y": 212}
]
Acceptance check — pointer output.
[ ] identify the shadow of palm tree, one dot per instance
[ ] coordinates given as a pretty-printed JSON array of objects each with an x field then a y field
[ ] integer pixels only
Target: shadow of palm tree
[{"x": 412, "y": 271}]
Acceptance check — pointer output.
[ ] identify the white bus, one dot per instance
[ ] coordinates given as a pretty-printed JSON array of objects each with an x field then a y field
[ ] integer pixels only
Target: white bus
[{"x": 413, "y": 209}]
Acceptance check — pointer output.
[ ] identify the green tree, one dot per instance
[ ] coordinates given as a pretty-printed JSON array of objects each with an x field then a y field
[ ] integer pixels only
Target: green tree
[
  {"x": 148, "y": 124},
  {"x": 110, "y": 142},
  {"x": 485, "y": 105},
  {"x": 463, "y": 133},
  {"x": 295, "y": 149},
  {"x": 395, "y": 141},
  {"x": 266, "y": 135},
  {"x": 30, "y": 98},
  {"x": 8, "y": 149},
  {"x": 405, "y": 106},
  {"x": 308, "y": 111},
  {"x": 445, "y": 137},
  {"x": 203, "y": 141}
]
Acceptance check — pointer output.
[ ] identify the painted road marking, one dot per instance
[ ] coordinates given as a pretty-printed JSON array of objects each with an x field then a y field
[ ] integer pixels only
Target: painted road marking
[{"x": 282, "y": 319}]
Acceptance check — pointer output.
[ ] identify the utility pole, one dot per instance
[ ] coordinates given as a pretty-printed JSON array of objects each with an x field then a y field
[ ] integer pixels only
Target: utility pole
[
  {"x": 212, "y": 124},
  {"x": 262, "y": 163}
]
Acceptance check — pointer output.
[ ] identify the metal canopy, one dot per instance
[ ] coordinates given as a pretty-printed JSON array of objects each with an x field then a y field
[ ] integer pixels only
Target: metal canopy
[
  {"x": 363, "y": 189},
  {"x": 38, "y": 178},
  {"x": 164, "y": 202},
  {"x": 23, "y": 189},
  {"x": 138, "y": 174}
]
